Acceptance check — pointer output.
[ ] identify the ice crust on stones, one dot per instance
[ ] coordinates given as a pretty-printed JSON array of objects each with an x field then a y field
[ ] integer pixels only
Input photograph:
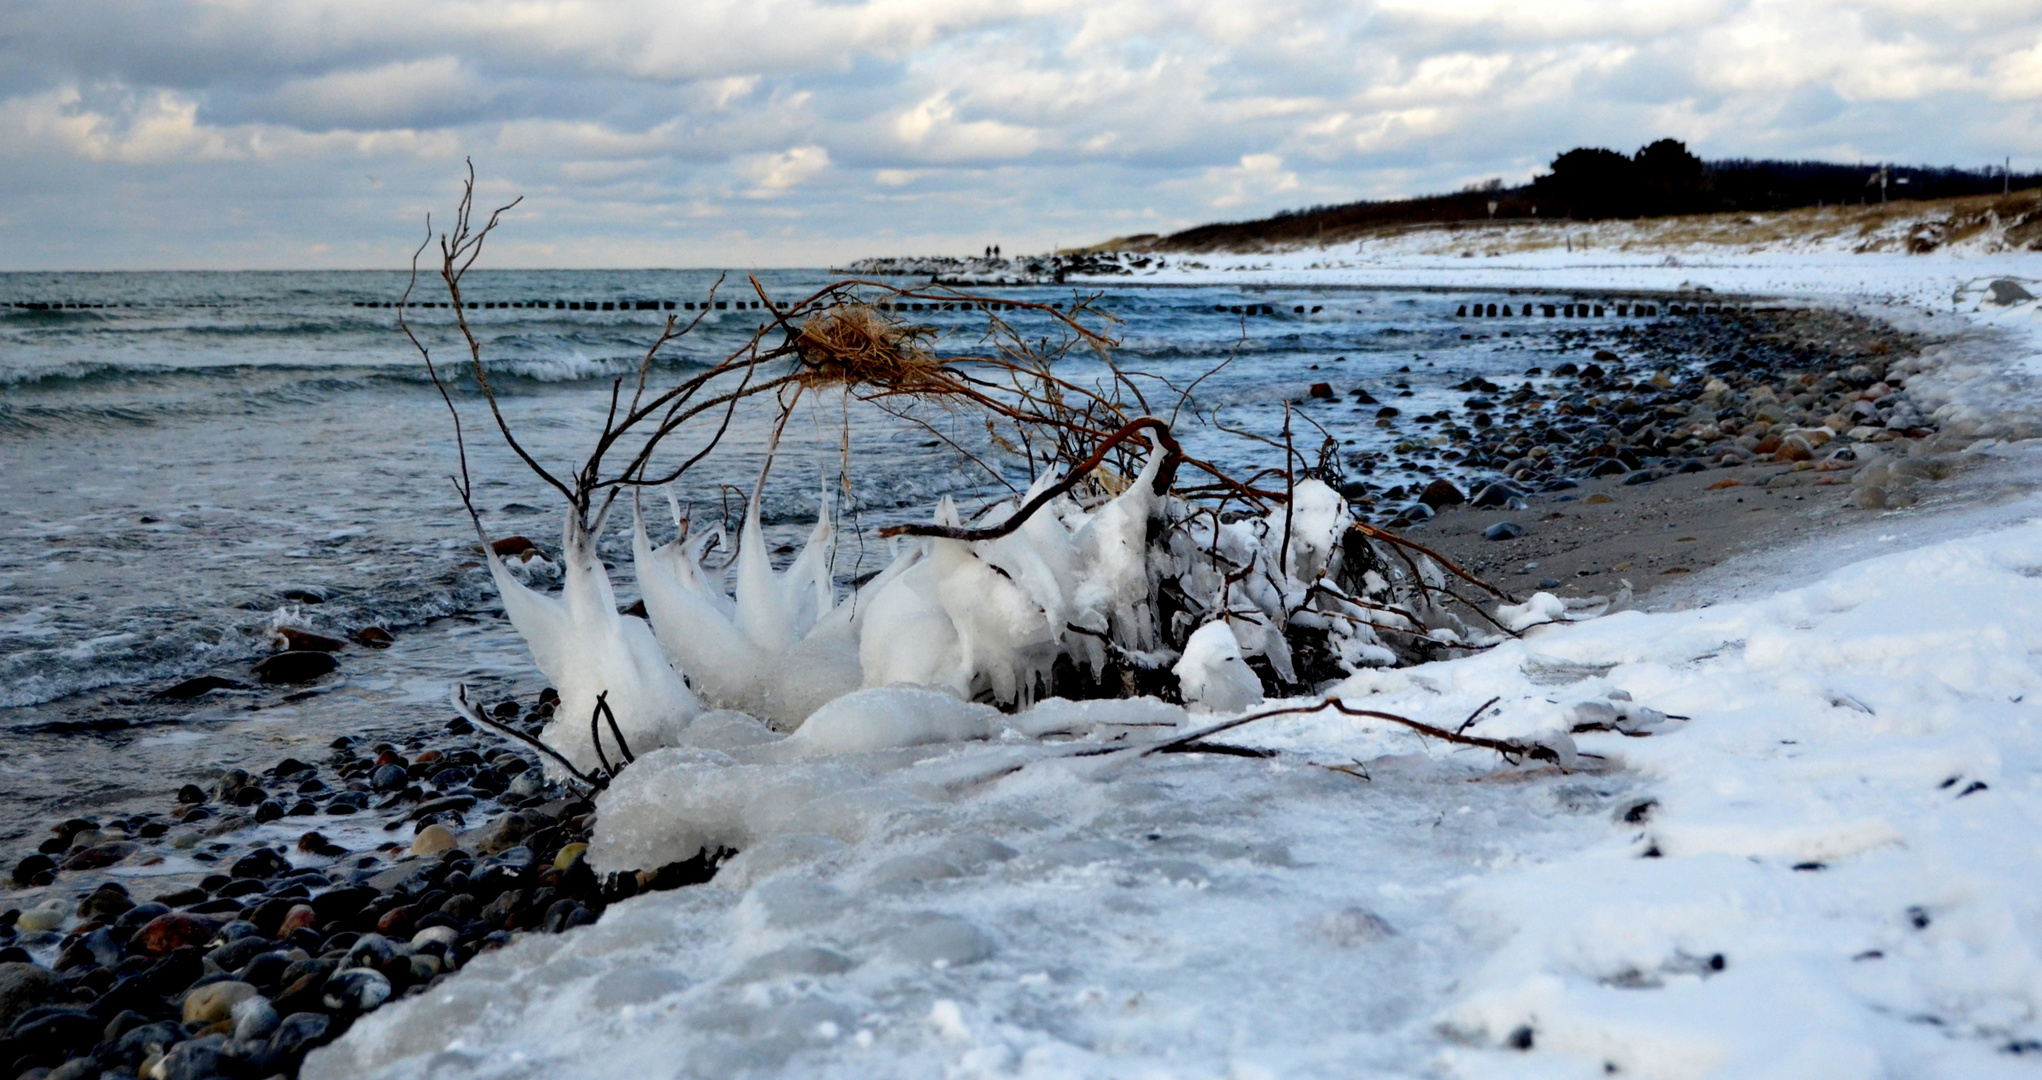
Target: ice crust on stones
[
  {"x": 1825, "y": 875},
  {"x": 1212, "y": 675}
]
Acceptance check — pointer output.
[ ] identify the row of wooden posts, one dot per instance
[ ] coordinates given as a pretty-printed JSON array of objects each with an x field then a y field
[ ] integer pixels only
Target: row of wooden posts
[{"x": 1589, "y": 311}]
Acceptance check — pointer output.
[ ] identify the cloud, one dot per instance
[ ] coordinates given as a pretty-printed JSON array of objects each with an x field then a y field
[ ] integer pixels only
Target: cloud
[
  {"x": 750, "y": 131},
  {"x": 1257, "y": 175},
  {"x": 774, "y": 174}
]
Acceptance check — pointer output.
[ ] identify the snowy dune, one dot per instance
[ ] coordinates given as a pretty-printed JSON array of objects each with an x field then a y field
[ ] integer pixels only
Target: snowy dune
[{"x": 1829, "y": 868}]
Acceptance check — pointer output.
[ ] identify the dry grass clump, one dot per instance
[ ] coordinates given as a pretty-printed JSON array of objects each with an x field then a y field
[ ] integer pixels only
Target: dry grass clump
[{"x": 853, "y": 345}]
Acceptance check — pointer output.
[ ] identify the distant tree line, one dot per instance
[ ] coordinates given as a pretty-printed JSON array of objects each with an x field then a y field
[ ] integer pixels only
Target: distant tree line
[
  {"x": 1665, "y": 178},
  {"x": 1589, "y": 183}
]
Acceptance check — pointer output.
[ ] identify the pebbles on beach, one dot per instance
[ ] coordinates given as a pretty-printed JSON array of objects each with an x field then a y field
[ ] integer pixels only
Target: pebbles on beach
[
  {"x": 1656, "y": 400},
  {"x": 243, "y": 970}
]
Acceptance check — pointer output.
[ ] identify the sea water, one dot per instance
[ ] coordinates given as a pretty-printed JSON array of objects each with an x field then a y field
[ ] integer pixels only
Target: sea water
[{"x": 191, "y": 459}]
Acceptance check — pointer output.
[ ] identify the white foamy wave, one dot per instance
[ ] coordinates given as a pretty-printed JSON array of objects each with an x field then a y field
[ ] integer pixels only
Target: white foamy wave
[{"x": 565, "y": 368}]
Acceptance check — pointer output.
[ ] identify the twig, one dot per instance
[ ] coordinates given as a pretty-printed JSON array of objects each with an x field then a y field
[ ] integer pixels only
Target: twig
[
  {"x": 1465, "y": 724},
  {"x": 474, "y": 712},
  {"x": 1071, "y": 479},
  {"x": 1509, "y": 748}
]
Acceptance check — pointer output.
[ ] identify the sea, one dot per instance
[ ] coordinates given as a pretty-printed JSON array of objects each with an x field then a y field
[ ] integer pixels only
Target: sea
[{"x": 191, "y": 460}]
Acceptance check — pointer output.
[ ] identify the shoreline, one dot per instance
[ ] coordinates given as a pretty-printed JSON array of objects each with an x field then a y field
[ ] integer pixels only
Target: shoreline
[{"x": 1682, "y": 521}]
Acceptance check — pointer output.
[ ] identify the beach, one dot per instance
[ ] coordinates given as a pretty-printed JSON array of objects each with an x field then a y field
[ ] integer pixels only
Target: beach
[{"x": 1077, "y": 920}]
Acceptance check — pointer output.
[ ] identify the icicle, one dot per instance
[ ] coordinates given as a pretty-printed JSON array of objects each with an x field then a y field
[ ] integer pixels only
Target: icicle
[
  {"x": 907, "y": 636},
  {"x": 762, "y": 609},
  {"x": 581, "y": 643},
  {"x": 695, "y": 632},
  {"x": 699, "y": 627},
  {"x": 1112, "y": 564}
]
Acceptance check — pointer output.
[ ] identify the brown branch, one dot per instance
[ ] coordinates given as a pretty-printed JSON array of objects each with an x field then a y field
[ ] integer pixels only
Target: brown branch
[
  {"x": 1511, "y": 749},
  {"x": 1071, "y": 479}
]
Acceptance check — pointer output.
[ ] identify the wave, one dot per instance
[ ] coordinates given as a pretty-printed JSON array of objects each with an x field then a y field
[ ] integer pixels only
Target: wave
[
  {"x": 148, "y": 657},
  {"x": 570, "y": 368}
]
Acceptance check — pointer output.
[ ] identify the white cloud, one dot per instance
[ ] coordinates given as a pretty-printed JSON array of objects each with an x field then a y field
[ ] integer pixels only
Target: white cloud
[
  {"x": 1256, "y": 175},
  {"x": 1060, "y": 119},
  {"x": 774, "y": 174}
]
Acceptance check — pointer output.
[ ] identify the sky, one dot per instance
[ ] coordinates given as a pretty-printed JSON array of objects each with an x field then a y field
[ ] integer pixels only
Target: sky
[{"x": 237, "y": 134}]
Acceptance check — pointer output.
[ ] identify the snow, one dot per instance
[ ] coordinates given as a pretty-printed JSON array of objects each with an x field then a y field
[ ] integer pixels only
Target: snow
[
  {"x": 1211, "y": 674},
  {"x": 1799, "y": 837},
  {"x": 886, "y": 717}
]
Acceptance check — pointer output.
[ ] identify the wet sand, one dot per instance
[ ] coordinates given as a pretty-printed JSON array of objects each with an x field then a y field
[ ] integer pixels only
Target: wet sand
[{"x": 1590, "y": 540}]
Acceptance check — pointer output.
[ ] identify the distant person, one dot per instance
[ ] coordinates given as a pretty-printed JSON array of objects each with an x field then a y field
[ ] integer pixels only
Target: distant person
[{"x": 996, "y": 251}]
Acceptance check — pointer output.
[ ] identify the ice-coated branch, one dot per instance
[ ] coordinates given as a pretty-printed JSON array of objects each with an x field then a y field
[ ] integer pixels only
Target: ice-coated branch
[
  {"x": 1512, "y": 750},
  {"x": 1172, "y": 451},
  {"x": 474, "y": 713}
]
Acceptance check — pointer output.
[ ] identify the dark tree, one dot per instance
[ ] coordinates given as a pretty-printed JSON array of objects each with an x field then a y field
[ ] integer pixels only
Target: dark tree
[
  {"x": 1590, "y": 183},
  {"x": 1671, "y": 180}
]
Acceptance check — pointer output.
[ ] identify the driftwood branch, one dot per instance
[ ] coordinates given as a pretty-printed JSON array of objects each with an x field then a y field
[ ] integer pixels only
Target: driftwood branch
[
  {"x": 1172, "y": 451},
  {"x": 1511, "y": 749},
  {"x": 475, "y": 714}
]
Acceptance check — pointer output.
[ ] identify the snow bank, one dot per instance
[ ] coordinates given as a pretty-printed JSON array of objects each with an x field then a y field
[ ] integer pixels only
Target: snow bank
[
  {"x": 1827, "y": 869},
  {"x": 1798, "y": 840}
]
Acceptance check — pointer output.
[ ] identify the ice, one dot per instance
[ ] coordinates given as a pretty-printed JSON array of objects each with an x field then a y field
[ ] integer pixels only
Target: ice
[
  {"x": 1543, "y": 607},
  {"x": 778, "y": 649},
  {"x": 1057, "y": 716},
  {"x": 1827, "y": 869},
  {"x": 886, "y": 717},
  {"x": 1212, "y": 676},
  {"x": 1315, "y": 519},
  {"x": 585, "y": 648},
  {"x": 1786, "y": 884}
]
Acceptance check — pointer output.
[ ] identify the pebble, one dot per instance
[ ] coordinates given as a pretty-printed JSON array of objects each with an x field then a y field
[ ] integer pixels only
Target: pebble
[
  {"x": 357, "y": 990},
  {"x": 24, "y": 987},
  {"x": 297, "y": 666},
  {"x": 432, "y": 840},
  {"x": 1675, "y": 395},
  {"x": 48, "y": 915},
  {"x": 178, "y": 930},
  {"x": 285, "y": 956},
  {"x": 214, "y": 1002},
  {"x": 255, "y": 1018},
  {"x": 1504, "y": 530}
]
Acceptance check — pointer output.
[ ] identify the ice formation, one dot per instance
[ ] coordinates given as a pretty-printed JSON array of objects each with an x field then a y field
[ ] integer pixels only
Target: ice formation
[
  {"x": 777, "y": 649},
  {"x": 586, "y": 648},
  {"x": 1211, "y": 674},
  {"x": 984, "y": 621}
]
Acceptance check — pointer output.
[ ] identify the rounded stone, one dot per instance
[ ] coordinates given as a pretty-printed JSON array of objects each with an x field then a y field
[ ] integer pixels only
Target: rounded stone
[
  {"x": 166, "y": 934},
  {"x": 568, "y": 853},
  {"x": 296, "y": 666},
  {"x": 35, "y": 869},
  {"x": 441, "y": 935},
  {"x": 48, "y": 915},
  {"x": 389, "y": 778},
  {"x": 300, "y": 916},
  {"x": 24, "y": 987},
  {"x": 432, "y": 840},
  {"x": 254, "y": 1018},
  {"x": 356, "y": 990},
  {"x": 214, "y": 1002},
  {"x": 101, "y": 855}
]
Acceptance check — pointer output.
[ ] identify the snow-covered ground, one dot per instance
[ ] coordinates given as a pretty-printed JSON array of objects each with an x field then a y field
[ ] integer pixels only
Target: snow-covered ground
[{"x": 1831, "y": 867}]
